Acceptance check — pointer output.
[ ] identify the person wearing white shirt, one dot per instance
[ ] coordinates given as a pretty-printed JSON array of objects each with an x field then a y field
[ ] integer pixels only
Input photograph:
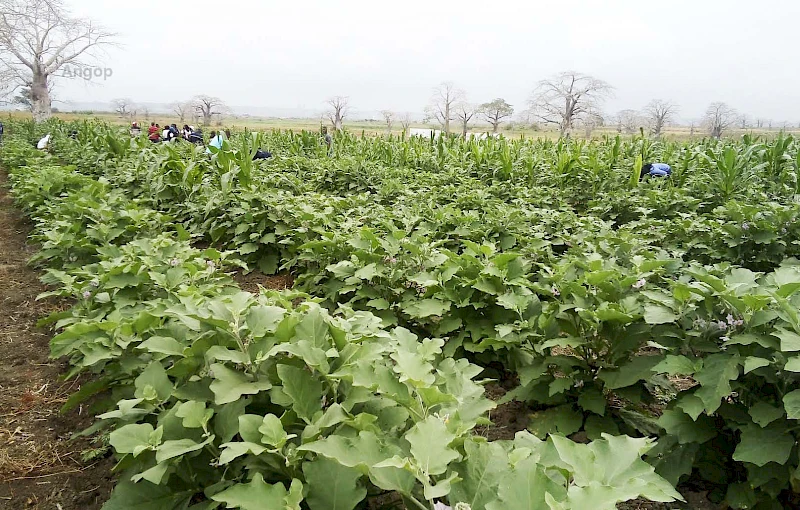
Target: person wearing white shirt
[{"x": 42, "y": 145}]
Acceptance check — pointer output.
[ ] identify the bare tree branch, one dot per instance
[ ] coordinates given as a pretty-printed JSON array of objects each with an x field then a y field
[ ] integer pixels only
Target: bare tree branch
[
  {"x": 660, "y": 113},
  {"x": 39, "y": 37},
  {"x": 339, "y": 108},
  {"x": 441, "y": 108},
  {"x": 388, "y": 117},
  {"x": 208, "y": 106},
  {"x": 568, "y": 98},
  {"x": 718, "y": 118}
]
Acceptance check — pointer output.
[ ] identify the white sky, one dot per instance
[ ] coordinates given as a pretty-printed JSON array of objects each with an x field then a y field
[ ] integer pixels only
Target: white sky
[{"x": 390, "y": 54}]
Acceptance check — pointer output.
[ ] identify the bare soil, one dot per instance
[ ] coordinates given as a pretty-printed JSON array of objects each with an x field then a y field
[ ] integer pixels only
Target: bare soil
[
  {"x": 40, "y": 467},
  {"x": 251, "y": 282}
]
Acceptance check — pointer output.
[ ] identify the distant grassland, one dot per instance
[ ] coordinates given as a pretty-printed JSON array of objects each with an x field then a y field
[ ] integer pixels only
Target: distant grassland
[{"x": 375, "y": 127}]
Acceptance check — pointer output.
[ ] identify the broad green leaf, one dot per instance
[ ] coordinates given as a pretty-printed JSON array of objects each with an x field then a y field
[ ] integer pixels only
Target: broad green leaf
[
  {"x": 229, "y": 385},
  {"x": 751, "y": 363},
  {"x": 481, "y": 472},
  {"x": 675, "y": 365},
  {"x": 255, "y": 495},
  {"x": 791, "y": 402},
  {"x": 763, "y": 413},
  {"x": 231, "y": 451},
  {"x": 593, "y": 400},
  {"x": 194, "y": 414},
  {"x": 761, "y": 446},
  {"x": 790, "y": 341},
  {"x": 365, "y": 451},
  {"x": 686, "y": 429},
  {"x": 332, "y": 486},
  {"x": 657, "y": 314},
  {"x": 430, "y": 440},
  {"x": 153, "y": 383},
  {"x": 691, "y": 404},
  {"x": 177, "y": 447},
  {"x": 263, "y": 319},
  {"x": 272, "y": 432},
  {"x": 793, "y": 364},
  {"x": 639, "y": 368},
  {"x": 133, "y": 438},
  {"x": 412, "y": 367},
  {"x": 163, "y": 345},
  {"x": 313, "y": 328},
  {"x": 304, "y": 389},
  {"x": 146, "y": 496},
  {"x": 715, "y": 379},
  {"x": 524, "y": 488},
  {"x": 419, "y": 309},
  {"x": 564, "y": 420}
]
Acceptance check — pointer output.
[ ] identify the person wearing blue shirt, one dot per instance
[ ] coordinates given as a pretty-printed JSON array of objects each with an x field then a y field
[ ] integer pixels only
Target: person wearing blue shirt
[{"x": 655, "y": 170}]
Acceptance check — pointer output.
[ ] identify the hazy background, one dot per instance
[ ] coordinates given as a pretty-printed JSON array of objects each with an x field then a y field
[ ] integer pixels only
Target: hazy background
[{"x": 389, "y": 55}]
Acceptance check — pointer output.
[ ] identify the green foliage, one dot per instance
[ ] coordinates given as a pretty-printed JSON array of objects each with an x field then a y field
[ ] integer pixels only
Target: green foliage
[{"x": 419, "y": 265}]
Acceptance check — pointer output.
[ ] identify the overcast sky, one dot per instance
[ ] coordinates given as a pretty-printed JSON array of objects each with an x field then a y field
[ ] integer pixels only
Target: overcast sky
[{"x": 389, "y": 55}]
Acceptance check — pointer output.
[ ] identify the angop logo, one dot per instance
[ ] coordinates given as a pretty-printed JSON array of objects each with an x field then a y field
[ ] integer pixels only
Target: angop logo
[{"x": 87, "y": 72}]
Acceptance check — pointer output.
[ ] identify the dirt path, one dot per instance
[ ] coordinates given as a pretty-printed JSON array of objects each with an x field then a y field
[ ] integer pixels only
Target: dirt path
[{"x": 40, "y": 468}]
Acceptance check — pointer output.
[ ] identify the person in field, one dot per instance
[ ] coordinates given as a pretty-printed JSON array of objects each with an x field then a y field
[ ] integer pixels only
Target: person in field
[
  {"x": 186, "y": 131},
  {"x": 655, "y": 170},
  {"x": 165, "y": 133},
  {"x": 196, "y": 136},
  {"x": 135, "y": 129},
  {"x": 174, "y": 134},
  {"x": 154, "y": 132},
  {"x": 328, "y": 139},
  {"x": 42, "y": 145},
  {"x": 1, "y": 131},
  {"x": 262, "y": 154},
  {"x": 215, "y": 141}
]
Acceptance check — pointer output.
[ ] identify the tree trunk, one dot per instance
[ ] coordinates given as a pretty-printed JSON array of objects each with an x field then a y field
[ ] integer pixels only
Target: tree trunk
[
  {"x": 207, "y": 117},
  {"x": 495, "y": 125},
  {"x": 40, "y": 97},
  {"x": 447, "y": 119},
  {"x": 464, "y": 130}
]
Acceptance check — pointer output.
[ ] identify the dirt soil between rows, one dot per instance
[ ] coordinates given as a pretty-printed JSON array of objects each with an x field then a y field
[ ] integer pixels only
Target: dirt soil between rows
[{"x": 40, "y": 466}]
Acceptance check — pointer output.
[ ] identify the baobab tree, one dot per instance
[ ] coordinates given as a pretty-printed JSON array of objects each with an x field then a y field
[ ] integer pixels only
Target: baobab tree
[
  {"x": 181, "y": 109},
  {"x": 660, "y": 113},
  {"x": 719, "y": 117},
  {"x": 338, "y": 107},
  {"x": 208, "y": 106},
  {"x": 37, "y": 39},
  {"x": 122, "y": 106},
  {"x": 405, "y": 121},
  {"x": 442, "y": 106},
  {"x": 567, "y": 98},
  {"x": 629, "y": 121},
  {"x": 388, "y": 118},
  {"x": 464, "y": 112},
  {"x": 495, "y": 111}
]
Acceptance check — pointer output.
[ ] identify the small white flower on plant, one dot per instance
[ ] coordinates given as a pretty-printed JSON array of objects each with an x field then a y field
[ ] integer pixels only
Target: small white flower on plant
[
  {"x": 725, "y": 339},
  {"x": 738, "y": 322},
  {"x": 94, "y": 283},
  {"x": 86, "y": 294},
  {"x": 730, "y": 319},
  {"x": 745, "y": 226},
  {"x": 722, "y": 325},
  {"x": 459, "y": 506},
  {"x": 174, "y": 262},
  {"x": 210, "y": 264},
  {"x": 556, "y": 292},
  {"x": 639, "y": 284}
]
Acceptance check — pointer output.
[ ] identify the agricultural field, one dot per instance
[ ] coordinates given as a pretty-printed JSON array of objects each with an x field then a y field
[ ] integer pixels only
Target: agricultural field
[{"x": 422, "y": 324}]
